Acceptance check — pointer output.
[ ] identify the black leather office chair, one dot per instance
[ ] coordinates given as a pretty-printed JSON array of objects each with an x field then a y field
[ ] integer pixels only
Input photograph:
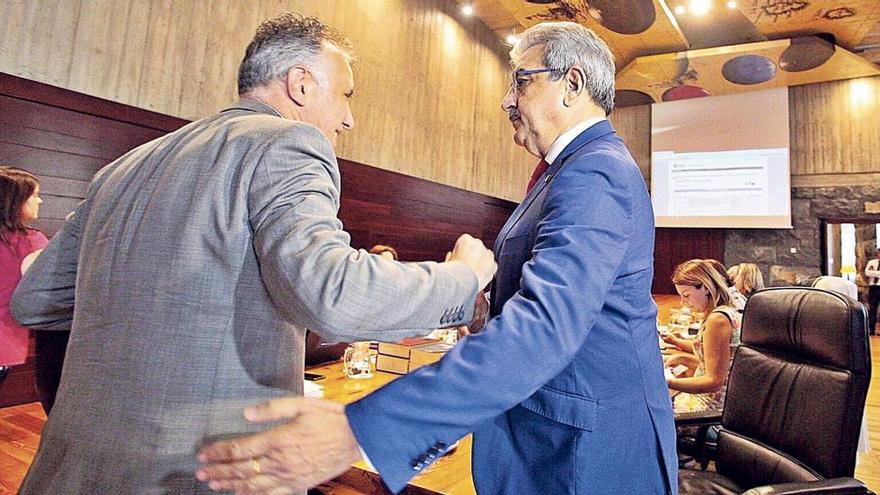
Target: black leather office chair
[{"x": 795, "y": 399}]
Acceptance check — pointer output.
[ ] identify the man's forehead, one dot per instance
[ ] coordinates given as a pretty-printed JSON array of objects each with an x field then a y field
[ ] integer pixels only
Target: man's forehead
[{"x": 529, "y": 57}]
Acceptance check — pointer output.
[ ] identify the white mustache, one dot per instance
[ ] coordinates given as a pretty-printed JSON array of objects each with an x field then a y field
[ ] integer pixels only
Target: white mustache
[{"x": 512, "y": 114}]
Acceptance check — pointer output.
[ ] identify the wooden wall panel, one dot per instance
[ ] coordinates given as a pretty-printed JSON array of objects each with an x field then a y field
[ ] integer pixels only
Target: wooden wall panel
[
  {"x": 673, "y": 246},
  {"x": 633, "y": 124},
  {"x": 834, "y": 129},
  {"x": 75, "y": 135},
  {"x": 429, "y": 81}
]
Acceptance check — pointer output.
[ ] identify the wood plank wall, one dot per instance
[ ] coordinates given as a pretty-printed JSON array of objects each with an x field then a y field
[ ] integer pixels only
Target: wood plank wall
[
  {"x": 429, "y": 81},
  {"x": 835, "y": 139},
  {"x": 65, "y": 137}
]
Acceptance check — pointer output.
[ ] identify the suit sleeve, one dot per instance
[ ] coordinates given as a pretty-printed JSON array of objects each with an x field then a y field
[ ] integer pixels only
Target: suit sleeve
[
  {"x": 45, "y": 295},
  {"x": 314, "y": 276},
  {"x": 582, "y": 236}
]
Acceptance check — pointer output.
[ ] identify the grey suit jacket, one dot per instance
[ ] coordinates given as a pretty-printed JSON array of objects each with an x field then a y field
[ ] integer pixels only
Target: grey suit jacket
[{"x": 187, "y": 277}]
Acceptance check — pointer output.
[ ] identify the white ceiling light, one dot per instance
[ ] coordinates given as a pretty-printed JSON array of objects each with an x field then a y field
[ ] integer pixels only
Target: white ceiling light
[{"x": 700, "y": 7}]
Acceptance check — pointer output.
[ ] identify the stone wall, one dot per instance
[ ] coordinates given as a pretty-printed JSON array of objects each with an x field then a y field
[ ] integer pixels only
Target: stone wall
[{"x": 771, "y": 249}]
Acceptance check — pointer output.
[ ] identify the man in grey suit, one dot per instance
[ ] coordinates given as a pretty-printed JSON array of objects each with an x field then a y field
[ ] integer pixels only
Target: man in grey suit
[{"x": 189, "y": 274}]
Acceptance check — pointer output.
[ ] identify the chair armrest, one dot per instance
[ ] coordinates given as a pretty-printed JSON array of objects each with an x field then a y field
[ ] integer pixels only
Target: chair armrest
[
  {"x": 836, "y": 486},
  {"x": 699, "y": 418}
]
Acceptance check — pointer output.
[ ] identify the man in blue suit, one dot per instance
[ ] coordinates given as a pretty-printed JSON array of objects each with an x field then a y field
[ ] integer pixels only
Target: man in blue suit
[{"x": 564, "y": 388}]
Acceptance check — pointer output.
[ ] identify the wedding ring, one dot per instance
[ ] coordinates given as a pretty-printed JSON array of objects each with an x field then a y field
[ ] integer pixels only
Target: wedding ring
[{"x": 255, "y": 463}]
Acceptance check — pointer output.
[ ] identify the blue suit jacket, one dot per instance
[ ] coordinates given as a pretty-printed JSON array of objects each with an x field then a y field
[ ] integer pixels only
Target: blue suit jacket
[{"x": 564, "y": 388}]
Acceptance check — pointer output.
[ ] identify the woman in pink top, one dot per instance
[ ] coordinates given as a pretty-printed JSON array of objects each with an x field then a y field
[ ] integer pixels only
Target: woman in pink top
[{"x": 19, "y": 205}]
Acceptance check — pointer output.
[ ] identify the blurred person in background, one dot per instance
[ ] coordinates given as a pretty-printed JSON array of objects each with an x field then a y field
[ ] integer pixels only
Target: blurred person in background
[
  {"x": 872, "y": 273},
  {"x": 748, "y": 279},
  {"x": 19, "y": 245}
]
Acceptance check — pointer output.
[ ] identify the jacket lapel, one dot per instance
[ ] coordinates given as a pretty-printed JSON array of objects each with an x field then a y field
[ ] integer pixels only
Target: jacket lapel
[{"x": 600, "y": 129}]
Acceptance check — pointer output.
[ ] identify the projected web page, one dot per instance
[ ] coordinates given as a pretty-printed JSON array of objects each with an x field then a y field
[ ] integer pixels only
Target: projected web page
[
  {"x": 688, "y": 187},
  {"x": 722, "y": 161}
]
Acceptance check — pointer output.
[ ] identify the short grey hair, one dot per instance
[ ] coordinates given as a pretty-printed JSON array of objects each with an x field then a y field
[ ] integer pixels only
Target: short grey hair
[
  {"x": 284, "y": 41},
  {"x": 568, "y": 44}
]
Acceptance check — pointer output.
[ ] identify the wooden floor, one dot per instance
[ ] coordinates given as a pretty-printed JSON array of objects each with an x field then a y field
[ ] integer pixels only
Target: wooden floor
[{"x": 20, "y": 428}]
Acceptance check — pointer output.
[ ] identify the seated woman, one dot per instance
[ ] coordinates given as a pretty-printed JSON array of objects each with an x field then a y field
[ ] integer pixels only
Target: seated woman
[
  {"x": 702, "y": 288},
  {"x": 748, "y": 279}
]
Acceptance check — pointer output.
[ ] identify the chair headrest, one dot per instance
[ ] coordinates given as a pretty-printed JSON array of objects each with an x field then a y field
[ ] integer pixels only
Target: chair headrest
[{"x": 808, "y": 324}]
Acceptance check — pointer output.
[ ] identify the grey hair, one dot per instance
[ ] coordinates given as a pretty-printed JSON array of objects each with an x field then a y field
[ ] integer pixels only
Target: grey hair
[
  {"x": 284, "y": 41},
  {"x": 568, "y": 44}
]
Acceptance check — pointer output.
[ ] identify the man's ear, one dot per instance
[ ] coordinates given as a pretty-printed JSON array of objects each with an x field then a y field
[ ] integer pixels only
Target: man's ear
[
  {"x": 575, "y": 85},
  {"x": 300, "y": 85}
]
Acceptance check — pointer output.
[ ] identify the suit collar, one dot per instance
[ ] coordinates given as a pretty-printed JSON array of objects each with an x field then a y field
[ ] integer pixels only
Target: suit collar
[
  {"x": 253, "y": 106},
  {"x": 592, "y": 133}
]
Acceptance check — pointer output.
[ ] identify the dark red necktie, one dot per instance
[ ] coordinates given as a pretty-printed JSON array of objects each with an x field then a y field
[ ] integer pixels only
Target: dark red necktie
[{"x": 539, "y": 171}]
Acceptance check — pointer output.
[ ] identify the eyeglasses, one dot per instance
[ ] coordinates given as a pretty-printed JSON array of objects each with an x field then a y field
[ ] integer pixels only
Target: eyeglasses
[{"x": 518, "y": 81}]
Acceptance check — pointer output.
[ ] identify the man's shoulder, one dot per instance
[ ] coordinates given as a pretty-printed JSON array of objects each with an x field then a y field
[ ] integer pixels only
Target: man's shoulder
[
  {"x": 262, "y": 123},
  {"x": 246, "y": 127},
  {"x": 606, "y": 155}
]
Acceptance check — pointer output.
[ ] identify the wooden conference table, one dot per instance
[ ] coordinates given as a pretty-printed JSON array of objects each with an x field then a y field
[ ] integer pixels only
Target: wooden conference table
[{"x": 451, "y": 474}]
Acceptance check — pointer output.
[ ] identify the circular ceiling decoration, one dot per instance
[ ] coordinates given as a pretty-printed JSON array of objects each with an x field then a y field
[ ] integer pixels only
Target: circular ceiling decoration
[
  {"x": 805, "y": 53},
  {"x": 684, "y": 92},
  {"x": 623, "y": 16},
  {"x": 749, "y": 69},
  {"x": 629, "y": 98}
]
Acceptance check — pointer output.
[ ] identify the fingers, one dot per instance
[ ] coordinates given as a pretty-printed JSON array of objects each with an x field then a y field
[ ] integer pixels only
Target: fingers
[
  {"x": 236, "y": 470},
  {"x": 473, "y": 253},
  {"x": 258, "y": 484},
  {"x": 274, "y": 410},
  {"x": 236, "y": 449}
]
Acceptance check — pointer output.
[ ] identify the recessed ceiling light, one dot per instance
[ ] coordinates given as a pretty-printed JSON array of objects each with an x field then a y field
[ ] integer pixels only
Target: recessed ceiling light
[
  {"x": 700, "y": 7},
  {"x": 467, "y": 9},
  {"x": 731, "y": 4},
  {"x": 861, "y": 92},
  {"x": 679, "y": 9}
]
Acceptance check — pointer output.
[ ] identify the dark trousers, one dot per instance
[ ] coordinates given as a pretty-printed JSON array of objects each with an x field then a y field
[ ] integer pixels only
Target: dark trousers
[
  {"x": 873, "y": 303},
  {"x": 50, "y": 348}
]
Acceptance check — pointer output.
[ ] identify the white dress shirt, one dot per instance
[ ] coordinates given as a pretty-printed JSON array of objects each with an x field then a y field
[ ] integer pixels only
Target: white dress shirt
[
  {"x": 872, "y": 271},
  {"x": 567, "y": 137}
]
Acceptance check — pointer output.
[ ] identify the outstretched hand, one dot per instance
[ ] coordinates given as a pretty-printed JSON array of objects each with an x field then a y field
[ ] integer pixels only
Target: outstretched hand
[{"x": 316, "y": 445}]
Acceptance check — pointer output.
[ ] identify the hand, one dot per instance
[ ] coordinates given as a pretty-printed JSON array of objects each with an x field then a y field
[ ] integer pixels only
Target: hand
[
  {"x": 474, "y": 254},
  {"x": 29, "y": 260},
  {"x": 481, "y": 313},
  {"x": 669, "y": 339},
  {"x": 315, "y": 446},
  {"x": 672, "y": 361}
]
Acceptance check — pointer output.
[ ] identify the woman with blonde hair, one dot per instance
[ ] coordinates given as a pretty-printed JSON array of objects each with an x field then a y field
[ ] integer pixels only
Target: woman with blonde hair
[
  {"x": 708, "y": 356},
  {"x": 748, "y": 279}
]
